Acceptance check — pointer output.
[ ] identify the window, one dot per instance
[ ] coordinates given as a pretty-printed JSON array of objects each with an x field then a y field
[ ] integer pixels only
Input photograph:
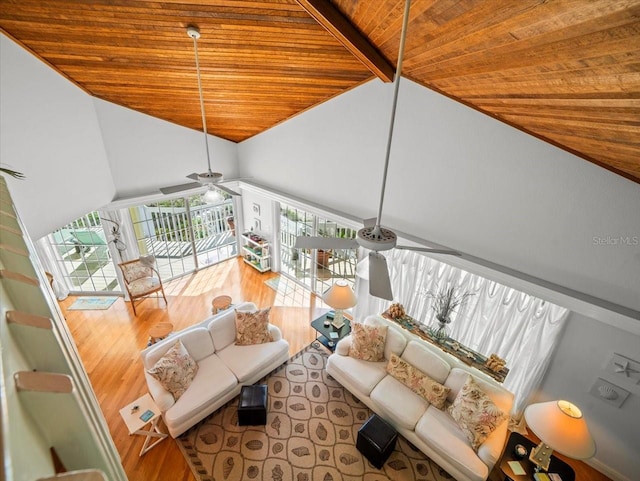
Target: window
[
  {"x": 184, "y": 234},
  {"x": 83, "y": 256}
]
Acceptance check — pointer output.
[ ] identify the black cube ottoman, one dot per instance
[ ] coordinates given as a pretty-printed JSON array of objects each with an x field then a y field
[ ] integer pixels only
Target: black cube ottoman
[
  {"x": 252, "y": 408},
  {"x": 376, "y": 440}
]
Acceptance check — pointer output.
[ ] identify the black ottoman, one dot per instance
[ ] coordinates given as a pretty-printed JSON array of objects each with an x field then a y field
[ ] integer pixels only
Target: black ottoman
[
  {"x": 252, "y": 408},
  {"x": 376, "y": 440}
]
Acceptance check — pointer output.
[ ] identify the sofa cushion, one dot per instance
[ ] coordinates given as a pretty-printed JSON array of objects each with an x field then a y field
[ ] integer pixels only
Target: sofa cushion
[
  {"x": 395, "y": 342},
  {"x": 499, "y": 395},
  {"x": 213, "y": 381},
  {"x": 197, "y": 341},
  {"x": 420, "y": 356},
  {"x": 245, "y": 361},
  {"x": 417, "y": 381},
  {"x": 399, "y": 403},
  {"x": 367, "y": 342},
  {"x": 364, "y": 375},
  {"x": 437, "y": 429},
  {"x": 252, "y": 327},
  {"x": 175, "y": 370},
  {"x": 475, "y": 412}
]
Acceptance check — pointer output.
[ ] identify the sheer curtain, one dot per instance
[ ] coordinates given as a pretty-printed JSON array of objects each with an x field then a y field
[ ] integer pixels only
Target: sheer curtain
[
  {"x": 520, "y": 328},
  {"x": 48, "y": 258}
]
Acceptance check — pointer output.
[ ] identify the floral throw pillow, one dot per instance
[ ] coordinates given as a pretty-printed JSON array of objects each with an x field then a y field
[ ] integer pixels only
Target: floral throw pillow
[
  {"x": 252, "y": 327},
  {"x": 175, "y": 370},
  {"x": 367, "y": 342},
  {"x": 475, "y": 413},
  {"x": 417, "y": 381}
]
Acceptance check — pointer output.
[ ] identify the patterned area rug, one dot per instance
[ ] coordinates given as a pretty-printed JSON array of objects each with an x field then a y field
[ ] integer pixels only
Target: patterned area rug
[{"x": 310, "y": 435}]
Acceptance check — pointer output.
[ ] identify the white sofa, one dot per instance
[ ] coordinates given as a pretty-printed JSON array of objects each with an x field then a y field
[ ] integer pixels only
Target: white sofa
[
  {"x": 431, "y": 430},
  {"x": 223, "y": 368}
]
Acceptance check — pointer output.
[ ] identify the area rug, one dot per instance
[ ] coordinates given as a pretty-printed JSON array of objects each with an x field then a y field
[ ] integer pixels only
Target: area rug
[
  {"x": 273, "y": 283},
  {"x": 310, "y": 435},
  {"x": 92, "y": 303}
]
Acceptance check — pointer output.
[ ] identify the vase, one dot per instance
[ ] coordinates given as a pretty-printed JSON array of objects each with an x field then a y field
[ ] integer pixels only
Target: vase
[{"x": 441, "y": 333}]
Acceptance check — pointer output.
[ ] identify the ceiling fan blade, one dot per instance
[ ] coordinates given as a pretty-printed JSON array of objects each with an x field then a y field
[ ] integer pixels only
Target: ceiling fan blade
[
  {"x": 180, "y": 187},
  {"x": 193, "y": 176},
  {"x": 226, "y": 189},
  {"x": 308, "y": 242},
  {"x": 370, "y": 222},
  {"x": 429, "y": 250},
  {"x": 379, "y": 281}
]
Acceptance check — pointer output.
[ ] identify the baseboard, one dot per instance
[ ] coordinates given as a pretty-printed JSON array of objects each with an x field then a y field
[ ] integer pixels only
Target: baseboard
[{"x": 606, "y": 470}]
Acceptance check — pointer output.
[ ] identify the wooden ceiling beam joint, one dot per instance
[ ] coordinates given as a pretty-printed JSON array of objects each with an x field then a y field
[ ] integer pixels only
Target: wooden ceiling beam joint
[{"x": 343, "y": 30}]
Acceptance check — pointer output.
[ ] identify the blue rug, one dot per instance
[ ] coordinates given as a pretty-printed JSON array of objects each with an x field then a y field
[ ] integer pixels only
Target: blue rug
[
  {"x": 273, "y": 283},
  {"x": 92, "y": 303}
]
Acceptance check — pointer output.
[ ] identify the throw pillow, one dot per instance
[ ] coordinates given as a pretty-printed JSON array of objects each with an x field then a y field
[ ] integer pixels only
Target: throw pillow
[
  {"x": 418, "y": 381},
  {"x": 367, "y": 342},
  {"x": 252, "y": 327},
  {"x": 175, "y": 370},
  {"x": 476, "y": 414}
]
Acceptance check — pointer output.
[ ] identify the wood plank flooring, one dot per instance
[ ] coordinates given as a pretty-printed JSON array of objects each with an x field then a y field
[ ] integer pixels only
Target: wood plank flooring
[{"x": 110, "y": 341}]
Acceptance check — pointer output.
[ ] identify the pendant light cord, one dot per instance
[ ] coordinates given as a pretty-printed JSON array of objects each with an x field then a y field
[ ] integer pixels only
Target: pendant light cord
[
  {"x": 396, "y": 85},
  {"x": 204, "y": 117}
]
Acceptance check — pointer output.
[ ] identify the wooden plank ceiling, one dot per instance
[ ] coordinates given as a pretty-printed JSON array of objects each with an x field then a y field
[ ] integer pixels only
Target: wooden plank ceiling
[{"x": 567, "y": 71}]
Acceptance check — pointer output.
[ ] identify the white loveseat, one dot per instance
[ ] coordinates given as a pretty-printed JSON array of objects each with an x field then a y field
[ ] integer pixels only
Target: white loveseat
[
  {"x": 223, "y": 368},
  {"x": 431, "y": 430}
]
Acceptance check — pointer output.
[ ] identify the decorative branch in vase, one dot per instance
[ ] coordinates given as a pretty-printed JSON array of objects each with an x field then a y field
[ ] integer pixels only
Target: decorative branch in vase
[{"x": 445, "y": 303}]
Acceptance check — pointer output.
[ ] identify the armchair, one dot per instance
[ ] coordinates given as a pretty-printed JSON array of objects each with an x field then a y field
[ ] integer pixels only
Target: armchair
[{"x": 141, "y": 279}]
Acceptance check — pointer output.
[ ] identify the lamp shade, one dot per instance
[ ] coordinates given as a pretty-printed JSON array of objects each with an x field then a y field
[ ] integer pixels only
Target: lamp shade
[
  {"x": 213, "y": 196},
  {"x": 340, "y": 295},
  {"x": 561, "y": 426}
]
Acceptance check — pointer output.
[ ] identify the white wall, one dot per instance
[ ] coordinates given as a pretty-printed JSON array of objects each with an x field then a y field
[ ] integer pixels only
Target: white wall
[
  {"x": 146, "y": 153},
  {"x": 460, "y": 179},
  {"x": 49, "y": 132},
  {"x": 583, "y": 356}
]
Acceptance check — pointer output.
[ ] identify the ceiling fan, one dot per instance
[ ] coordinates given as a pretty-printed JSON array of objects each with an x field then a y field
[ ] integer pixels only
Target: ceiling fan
[
  {"x": 209, "y": 178},
  {"x": 372, "y": 236}
]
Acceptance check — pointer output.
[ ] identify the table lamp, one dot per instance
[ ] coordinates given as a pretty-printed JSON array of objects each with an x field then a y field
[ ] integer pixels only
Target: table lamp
[
  {"x": 560, "y": 427},
  {"x": 339, "y": 296}
]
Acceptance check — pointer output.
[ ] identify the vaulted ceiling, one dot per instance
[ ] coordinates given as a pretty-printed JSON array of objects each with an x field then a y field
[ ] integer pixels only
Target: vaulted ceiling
[{"x": 565, "y": 71}]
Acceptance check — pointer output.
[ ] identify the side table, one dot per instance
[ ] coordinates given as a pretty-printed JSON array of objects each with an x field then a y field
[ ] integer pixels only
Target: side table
[
  {"x": 556, "y": 466},
  {"x": 220, "y": 303},
  {"x": 329, "y": 335},
  {"x": 131, "y": 415}
]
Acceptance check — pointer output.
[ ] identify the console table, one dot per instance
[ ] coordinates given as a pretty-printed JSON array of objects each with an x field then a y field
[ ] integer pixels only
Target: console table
[{"x": 465, "y": 354}]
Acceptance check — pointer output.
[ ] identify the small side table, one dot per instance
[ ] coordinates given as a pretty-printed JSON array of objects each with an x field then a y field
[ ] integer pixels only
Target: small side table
[
  {"x": 556, "y": 466},
  {"x": 220, "y": 303},
  {"x": 131, "y": 416},
  {"x": 159, "y": 332},
  {"x": 326, "y": 337}
]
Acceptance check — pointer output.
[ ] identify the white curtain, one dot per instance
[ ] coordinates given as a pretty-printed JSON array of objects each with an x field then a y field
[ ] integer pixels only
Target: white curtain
[
  {"x": 518, "y": 327},
  {"x": 48, "y": 258}
]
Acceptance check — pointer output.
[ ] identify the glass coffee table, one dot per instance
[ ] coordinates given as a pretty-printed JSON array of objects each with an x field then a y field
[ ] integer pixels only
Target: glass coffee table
[{"x": 329, "y": 335}]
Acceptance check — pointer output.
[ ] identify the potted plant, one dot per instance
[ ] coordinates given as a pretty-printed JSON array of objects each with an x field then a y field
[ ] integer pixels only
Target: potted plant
[{"x": 445, "y": 303}]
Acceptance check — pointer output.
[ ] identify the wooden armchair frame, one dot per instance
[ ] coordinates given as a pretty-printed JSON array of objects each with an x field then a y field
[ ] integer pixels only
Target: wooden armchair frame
[{"x": 141, "y": 279}]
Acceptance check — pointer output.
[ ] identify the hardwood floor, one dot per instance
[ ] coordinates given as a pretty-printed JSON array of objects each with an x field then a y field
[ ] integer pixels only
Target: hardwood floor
[{"x": 110, "y": 341}]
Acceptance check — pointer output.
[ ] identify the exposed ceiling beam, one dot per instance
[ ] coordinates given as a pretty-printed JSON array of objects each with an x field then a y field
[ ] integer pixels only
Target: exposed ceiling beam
[{"x": 339, "y": 26}]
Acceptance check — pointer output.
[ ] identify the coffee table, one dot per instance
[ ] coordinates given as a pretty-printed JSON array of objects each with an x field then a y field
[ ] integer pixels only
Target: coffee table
[{"x": 326, "y": 338}]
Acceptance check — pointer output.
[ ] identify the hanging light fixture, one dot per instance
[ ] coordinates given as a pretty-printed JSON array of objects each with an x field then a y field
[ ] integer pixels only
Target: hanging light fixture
[{"x": 213, "y": 195}]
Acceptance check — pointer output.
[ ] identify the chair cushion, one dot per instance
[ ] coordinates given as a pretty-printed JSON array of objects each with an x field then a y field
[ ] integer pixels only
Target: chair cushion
[
  {"x": 213, "y": 381},
  {"x": 475, "y": 412},
  {"x": 399, "y": 403},
  {"x": 252, "y": 327},
  {"x": 175, "y": 370},
  {"x": 364, "y": 375},
  {"x": 367, "y": 342},
  {"x": 143, "y": 285},
  {"x": 437, "y": 429},
  {"x": 417, "y": 381},
  {"x": 245, "y": 361},
  {"x": 423, "y": 358}
]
